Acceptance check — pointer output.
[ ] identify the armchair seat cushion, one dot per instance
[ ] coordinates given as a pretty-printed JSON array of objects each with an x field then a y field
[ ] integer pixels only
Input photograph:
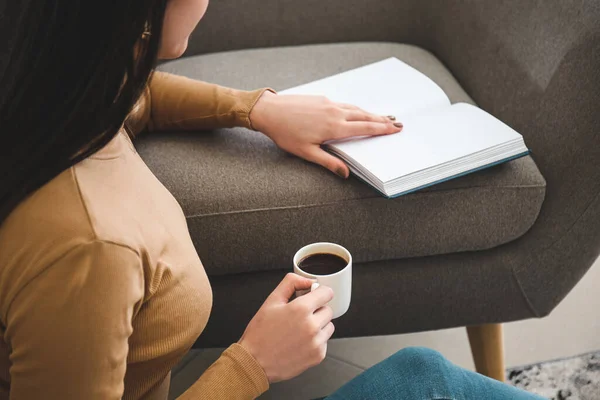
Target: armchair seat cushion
[{"x": 250, "y": 206}]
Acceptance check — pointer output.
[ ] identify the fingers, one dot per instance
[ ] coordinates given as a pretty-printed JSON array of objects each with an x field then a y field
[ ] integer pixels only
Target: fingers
[
  {"x": 360, "y": 115},
  {"x": 355, "y": 113},
  {"x": 326, "y": 332},
  {"x": 323, "y": 316},
  {"x": 316, "y": 299},
  {"x": 348, "y": 106},
  {"x": 288, "y": 286},
  {"x": 365, "y": 128},
  {"x": 319, "y": 156}
]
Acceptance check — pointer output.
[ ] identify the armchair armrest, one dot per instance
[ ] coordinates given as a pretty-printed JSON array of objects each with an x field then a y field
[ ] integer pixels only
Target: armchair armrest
[{"x": 535, "y": 65}]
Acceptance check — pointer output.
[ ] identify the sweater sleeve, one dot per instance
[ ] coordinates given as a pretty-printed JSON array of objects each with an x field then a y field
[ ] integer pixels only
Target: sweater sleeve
[
  {"x": 68, "y": 328},
  {"x": 236, "y": 375},
  {"x": 174, "y": 102}
]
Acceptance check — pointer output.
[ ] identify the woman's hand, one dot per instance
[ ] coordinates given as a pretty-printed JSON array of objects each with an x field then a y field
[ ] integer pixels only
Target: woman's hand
[
  {"x": 288, "y": 337},
  {"x": 300, "y": 124}
]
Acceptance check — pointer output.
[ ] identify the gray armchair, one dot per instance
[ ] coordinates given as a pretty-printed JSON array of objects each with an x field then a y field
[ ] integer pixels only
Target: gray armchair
[{"x": 499, "y": 245}]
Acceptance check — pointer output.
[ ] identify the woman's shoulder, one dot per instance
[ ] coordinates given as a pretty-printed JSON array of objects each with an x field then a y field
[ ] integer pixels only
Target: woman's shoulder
[
  {"x": 49, "y": 250},
  {"x": 62, "y": 215},
  {"x": 39, "y": 231},
  {"x": 80, "y": 205},
  {"x": 51, "y": 217}
]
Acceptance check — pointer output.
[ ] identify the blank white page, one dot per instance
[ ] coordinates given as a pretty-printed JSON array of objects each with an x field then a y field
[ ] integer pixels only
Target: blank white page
[
  {"x": 388, "y": 87},
  {"x": 427, "y": 140}
]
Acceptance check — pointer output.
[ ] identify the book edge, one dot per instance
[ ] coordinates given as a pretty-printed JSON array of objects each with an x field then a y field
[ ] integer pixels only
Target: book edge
[{"x": 505, "y": 160}]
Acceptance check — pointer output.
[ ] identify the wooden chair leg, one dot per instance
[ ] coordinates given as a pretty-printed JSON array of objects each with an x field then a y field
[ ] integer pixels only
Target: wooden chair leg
[{"x": 487, "y": 347}]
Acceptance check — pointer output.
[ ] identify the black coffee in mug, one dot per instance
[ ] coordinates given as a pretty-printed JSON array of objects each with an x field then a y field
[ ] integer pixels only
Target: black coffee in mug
[{"x": 322, "y": 264}]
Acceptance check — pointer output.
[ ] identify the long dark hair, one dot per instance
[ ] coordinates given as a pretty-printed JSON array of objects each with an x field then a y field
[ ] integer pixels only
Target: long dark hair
[{"x": 73, "y": 71}]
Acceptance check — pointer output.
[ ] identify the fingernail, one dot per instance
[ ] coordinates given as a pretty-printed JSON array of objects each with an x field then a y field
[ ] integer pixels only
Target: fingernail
[
  {"x": 341, "y": 173},
  {"x": 398, "y": 125},
  {"x": 391, "y": 117}
]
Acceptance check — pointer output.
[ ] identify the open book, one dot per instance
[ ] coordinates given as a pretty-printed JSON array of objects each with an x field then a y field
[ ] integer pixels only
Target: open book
[{"x": 440, "y": 141}]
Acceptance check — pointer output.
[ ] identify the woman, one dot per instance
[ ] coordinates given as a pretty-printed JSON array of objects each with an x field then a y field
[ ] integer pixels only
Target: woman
[{"x": 101, "y": 290}]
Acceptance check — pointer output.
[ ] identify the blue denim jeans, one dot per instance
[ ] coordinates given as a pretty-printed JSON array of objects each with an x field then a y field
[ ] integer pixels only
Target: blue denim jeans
[{"x": 418, "y": 373}]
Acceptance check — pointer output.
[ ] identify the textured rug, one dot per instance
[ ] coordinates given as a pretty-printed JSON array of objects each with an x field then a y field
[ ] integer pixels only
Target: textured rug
[{"x": 574, "y": 378}]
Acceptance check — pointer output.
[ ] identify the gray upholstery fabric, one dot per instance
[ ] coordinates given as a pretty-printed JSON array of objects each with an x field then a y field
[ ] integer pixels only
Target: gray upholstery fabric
[
  {"x": 285, "y": 67},
  {"x": 535, "y": 65},
  {"x": 241, "y": 193}
]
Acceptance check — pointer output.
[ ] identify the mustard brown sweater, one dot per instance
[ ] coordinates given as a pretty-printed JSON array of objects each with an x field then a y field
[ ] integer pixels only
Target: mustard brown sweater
[{"x": 101, "y": 289}]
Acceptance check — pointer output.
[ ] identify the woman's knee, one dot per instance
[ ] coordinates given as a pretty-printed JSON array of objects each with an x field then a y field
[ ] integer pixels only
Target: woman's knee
[
  {"x": 411, "y": 373},
  {"x": 420, "y": 361}
]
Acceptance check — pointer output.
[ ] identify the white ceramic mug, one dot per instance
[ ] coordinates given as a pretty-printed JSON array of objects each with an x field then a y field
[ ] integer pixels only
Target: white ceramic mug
[{"x": 340, "y": 282}]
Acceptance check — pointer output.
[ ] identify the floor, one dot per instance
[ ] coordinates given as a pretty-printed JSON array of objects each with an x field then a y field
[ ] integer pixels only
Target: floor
[{"x": 573, "y": 328}]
